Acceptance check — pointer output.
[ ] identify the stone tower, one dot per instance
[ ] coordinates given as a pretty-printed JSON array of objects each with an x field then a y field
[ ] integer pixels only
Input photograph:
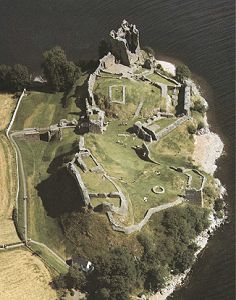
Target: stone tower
[{"x": 125, "y": 43}]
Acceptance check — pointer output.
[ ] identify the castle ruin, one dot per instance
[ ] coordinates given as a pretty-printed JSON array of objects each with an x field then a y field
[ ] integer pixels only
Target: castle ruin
[{"x": 125, "y": 44}]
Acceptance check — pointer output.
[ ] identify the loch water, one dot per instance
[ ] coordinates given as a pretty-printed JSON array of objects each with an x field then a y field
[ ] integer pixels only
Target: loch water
[{"x": 199, "y": 33}]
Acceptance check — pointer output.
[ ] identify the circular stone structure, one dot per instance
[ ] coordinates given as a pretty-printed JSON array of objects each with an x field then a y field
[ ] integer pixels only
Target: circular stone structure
[{"x": 157, "y": 189}]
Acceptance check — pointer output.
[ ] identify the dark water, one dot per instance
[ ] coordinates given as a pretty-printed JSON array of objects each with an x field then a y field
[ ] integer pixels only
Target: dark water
[{"x": 198, "y": 32}]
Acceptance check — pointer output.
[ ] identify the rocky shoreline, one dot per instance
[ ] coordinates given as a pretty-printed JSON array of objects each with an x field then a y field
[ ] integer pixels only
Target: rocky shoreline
[{"x": 208, "y": 148}]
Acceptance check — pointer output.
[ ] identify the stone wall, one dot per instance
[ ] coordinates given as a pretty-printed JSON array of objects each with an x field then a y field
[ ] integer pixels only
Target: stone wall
[
  {"x": 147, "y": 134},
  {"x": 187, "y": 99},
  {"x": 104, "y": 63},
  {"x": 84, "y": 192}
]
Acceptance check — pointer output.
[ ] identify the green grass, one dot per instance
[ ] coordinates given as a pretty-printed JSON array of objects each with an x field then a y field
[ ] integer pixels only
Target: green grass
[
  {"x": 117, "y": 93},
  {"x": 51, "y": 260},
  {"x": 42, "y": 225},
  {"x": 196, "y": 180},
  {"x": 157, "y": 78},
  {"x": 96, "y": 183},
  {"x": 135, "y": 176},
  {"x": 89, "y": 162},
  {"x": 165, "y": 122},
  {"x": 136, "y": 91},
  {"x": 39, "y": 109}
]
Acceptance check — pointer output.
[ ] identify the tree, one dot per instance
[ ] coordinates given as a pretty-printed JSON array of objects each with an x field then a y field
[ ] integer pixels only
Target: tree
[
  {"x": 199, "y": 106},
  {"x": 14, "y": 78},
  {"x": 155, "y": 278},
  {"x": 60, "y": 73},
  {"x": 149, "y": 50},
  {"x": 114, "y": 275},
  {"x": 19, "y": 77},
  {"x": 76, "y": 278},
  {"x": 182, "y": 73}
]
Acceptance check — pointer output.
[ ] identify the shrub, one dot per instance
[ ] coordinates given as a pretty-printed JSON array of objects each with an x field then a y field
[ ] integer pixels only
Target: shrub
[
  {"x": 218, "y": 205},
  {"x": 200, "y": 125},
  {"x": 199, "y": 106},
  {"x": 150, "y": 51},
  {"x": 191, "y": 129},
  {"x": 182, "y": 73}
]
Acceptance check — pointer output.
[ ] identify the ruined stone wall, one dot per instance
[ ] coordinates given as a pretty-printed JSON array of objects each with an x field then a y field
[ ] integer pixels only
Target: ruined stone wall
[
  {"x": 187, "y": 99},
  {"x": 104, "y": 63},
  {"x": 171, "y": 127},
  {"x": 84, "y": 192},
  {"x": 141, "y": 133},
  {"x": 194, "y": 195}
]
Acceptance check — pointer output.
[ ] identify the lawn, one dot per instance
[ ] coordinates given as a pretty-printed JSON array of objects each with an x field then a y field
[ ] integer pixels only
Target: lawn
[
  {"x": 135, "y": 176},
  {"x": 50, "y": 190},
  {"x": 136, "y": 91},
  {"x": 196, "y": 180},
  {"x": 39, "y": 109},
  {"x": 165, "y": 122},
  {"x": 96, "y": 183}
]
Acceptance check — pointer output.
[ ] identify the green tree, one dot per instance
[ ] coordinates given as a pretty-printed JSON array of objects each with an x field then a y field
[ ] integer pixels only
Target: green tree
[
  {"x": 76, "y": 278},
  {"x": 114, "y": 276},
  {"x": 58, "y": 71},
  {"x": 155, "y": 278},
  {"x": 182, "y": 73},
  {"x": 18, "y": 77},
  {"x": 14, "y": 78},
  {"x": 199, "y": 106}
]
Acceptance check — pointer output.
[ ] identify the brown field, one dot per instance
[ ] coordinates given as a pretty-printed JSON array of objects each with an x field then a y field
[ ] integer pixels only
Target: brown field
[
  {"x": 7, "y": 105},
  {"x": 7, "y": 191},
  {"x": 24, "y": 276}
]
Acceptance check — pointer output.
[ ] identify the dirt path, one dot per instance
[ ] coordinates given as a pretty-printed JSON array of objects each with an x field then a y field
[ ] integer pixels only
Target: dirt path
[{"x": 24, "y": 276}]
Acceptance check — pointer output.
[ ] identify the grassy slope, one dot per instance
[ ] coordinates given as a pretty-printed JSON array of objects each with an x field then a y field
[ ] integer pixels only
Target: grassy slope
[
  {"x": 136, "y": 177},
  {"x": 43, "y": 109},
  {"x": 136, "y": 91},
  {"x": 37, "y": 156}
]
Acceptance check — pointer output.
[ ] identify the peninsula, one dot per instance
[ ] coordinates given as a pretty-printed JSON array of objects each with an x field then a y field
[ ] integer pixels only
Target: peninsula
[{"x": 114, "y": 164}]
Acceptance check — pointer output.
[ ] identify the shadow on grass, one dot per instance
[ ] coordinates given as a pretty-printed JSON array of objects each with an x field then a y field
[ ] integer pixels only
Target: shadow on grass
[{"x": 59, "y": 193}]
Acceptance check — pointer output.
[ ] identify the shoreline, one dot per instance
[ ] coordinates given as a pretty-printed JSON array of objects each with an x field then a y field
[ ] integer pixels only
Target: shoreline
[{"x": 208, "y": 148}]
